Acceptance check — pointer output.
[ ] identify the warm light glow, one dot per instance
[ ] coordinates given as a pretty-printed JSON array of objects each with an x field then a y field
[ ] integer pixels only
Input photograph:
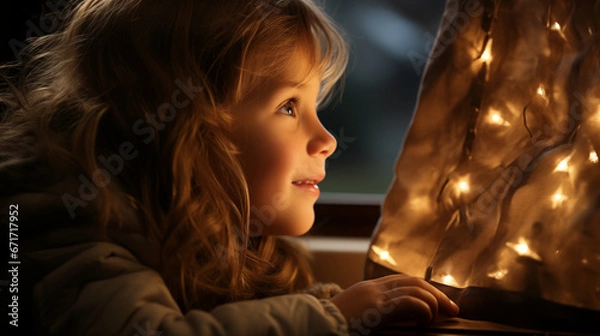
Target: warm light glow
[
  {"x": 448, "y": 279},
  {"x": 593, "y": 157},
  {"x": 486, "y": 56},
  {"x": 522, "y": 249},
  {"x": 557, "y": 28},
  {"x": 557, "y": 199},
  {"x": 384, "y": 255},
  {"x": 541, "y": 91},
  {"x": 596, "y": 116},
  {"x": 463, "y": 186},
  {"x": 563, "y": 166},
  {"x": 495, "y": 118},
  {"x": 499, "y": 274}
]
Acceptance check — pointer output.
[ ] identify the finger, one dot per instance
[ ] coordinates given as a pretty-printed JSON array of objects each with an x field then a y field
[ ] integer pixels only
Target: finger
[
  {"x": 446, "y": 305},
  {"x": 389, "y": 280},
  {"x": 396, "y": 280},
  {"x": 412, "y": 308},
  {"x": 399, "y": 280},
  {"x": 418, "y": 293}
]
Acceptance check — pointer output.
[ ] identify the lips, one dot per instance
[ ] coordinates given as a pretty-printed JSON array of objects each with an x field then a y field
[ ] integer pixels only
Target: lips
[
  {"x": 309, "y": 184},
  {"x": 309, "y": 181}
]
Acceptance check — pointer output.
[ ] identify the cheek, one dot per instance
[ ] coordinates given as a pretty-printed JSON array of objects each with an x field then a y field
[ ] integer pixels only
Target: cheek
[
  {"x": 268, "y": 166},
  {"x": 269, "y": 171}
]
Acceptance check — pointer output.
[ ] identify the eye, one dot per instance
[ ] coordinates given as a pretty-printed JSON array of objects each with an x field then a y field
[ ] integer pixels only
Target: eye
[{"x": 289, "y": 108}]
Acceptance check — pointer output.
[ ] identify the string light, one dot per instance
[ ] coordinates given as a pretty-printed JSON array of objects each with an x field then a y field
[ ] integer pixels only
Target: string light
[
  {"x": 558, "y": 198},
  {"x": 486, "y": 56},
  {"x": 523, "y": 106},
  {"x": 557, "y": 28},
  {"x": 563, "y": 166},
  {"x": 593, "y": 156},
  {"x": 522, "y": 249},
  {"x": 499, "y": 274},
  {"x": 495, "y": 118},
  {"x": 448, "y": 279},
  {"x": 541, "y": 91},
  {"x": 384, "y": 255},
  {"x": 463, "y": 185}
]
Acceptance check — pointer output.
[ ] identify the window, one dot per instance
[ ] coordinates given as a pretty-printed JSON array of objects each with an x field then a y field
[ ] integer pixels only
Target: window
[
  {"x": 389, "y": 45},
  {"x": 390, "y": 41}
]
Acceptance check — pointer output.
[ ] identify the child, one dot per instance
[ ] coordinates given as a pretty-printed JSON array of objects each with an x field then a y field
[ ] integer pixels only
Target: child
[{"x": 154, "y": 150}]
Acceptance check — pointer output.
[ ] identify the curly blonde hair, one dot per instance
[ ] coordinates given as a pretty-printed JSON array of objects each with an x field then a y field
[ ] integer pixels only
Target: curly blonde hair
[{"x": 157, "y": 77}]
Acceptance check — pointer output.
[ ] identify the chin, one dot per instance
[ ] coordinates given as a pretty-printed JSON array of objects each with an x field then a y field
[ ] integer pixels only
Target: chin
[
  {"x": 301, "y": 230},
  {"x": 292, "y": 228}
]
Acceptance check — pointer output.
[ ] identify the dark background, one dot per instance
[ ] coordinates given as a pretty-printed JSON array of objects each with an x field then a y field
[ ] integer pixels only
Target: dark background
[
  {"x": 381, "y": 88},
  {"x": 14, "y": 18}
]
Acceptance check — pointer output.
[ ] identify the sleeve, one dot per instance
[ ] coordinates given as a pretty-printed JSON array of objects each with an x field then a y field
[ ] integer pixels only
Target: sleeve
[{"x": 101, "y": 289}]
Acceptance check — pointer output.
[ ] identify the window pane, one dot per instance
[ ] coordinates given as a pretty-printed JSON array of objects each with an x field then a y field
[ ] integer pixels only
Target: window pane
[{"x": 389, "y": 41}]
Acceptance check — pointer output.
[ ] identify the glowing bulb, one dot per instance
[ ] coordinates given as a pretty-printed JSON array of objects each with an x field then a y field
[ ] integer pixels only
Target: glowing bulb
[
  {"x": 557, "y": 199},
  {"x": 522, "y": 249},
  {"x": 449, "y": 280},
  {"x": 495, "y": 118},
  {"x": 540, "y": 91},
  {"x": 463, "y": 186},
  {"x": 563, "y": 166},
  {"x": 593, "y": 157},
  {"x": 499, "y": 274},
  {"x": 384, "y": 255},
  {"x": 486, "y": 57},
  {"x": 557, "y": 28}
]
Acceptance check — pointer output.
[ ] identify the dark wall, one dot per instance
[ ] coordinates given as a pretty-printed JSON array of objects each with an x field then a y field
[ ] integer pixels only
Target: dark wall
[{"x": 21, "y": 19}]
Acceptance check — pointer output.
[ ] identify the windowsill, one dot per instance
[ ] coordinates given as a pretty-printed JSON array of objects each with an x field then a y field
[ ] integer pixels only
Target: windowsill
[
  {"x": 335, "y": 244},
  {"x": 337, "y": 259}
]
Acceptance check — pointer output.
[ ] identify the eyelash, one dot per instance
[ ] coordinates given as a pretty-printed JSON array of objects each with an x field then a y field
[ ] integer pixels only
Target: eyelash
[{"x": 289, "y": 105}]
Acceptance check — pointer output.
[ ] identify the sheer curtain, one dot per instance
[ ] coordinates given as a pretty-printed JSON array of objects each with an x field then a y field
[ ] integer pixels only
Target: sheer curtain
[{"x": 497, "y": 188}]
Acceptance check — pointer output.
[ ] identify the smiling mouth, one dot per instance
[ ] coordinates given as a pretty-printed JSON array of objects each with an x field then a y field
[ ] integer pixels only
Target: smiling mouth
[
  {"x": 308, "y": 185},
  {"x": 306, "y": 182}
]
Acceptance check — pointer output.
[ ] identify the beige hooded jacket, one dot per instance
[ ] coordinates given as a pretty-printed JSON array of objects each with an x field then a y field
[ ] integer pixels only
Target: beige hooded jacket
[{"x": 72, "y": 281}]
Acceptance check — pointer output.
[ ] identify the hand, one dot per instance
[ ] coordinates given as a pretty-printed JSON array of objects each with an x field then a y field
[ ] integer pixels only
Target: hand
[{"x": 401, "y": 297}]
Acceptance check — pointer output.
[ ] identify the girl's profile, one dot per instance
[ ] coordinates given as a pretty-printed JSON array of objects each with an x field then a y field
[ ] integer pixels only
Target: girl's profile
[{"x": 159, "y": 152}]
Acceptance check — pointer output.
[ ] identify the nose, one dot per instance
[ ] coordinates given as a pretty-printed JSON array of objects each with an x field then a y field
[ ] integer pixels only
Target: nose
[{"x": 322, "y": 142}]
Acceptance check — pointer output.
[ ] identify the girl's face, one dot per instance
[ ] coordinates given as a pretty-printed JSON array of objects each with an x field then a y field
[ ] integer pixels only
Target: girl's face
[{"x": 283, "y": 150}]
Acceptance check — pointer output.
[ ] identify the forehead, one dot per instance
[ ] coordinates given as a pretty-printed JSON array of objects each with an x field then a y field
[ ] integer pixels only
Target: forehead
[
  {"x": 299, "y": 69},
  {"x": 297, "y": 72}
]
